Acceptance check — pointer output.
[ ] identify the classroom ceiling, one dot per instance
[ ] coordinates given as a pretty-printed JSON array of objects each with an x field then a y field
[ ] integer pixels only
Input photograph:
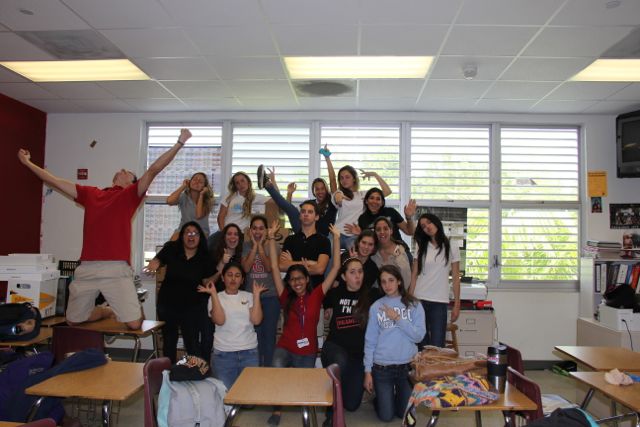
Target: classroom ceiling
[{"x": 227, "y": 55}]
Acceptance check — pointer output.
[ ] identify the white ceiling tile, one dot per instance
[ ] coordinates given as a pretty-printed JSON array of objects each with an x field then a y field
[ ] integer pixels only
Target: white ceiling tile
[
  {"x": 7, "y": 76},
  {"x": 400, "y": 88},
  {"x": 402, "y": 39},
  {"x": 629, "y": 93},
  {"x": 613, "y": 107},
  {"x": 22, "y": 91},
  {"x": 446, "y": 104},
  {"x": 47, "y": 15},
  {"x": 254, "y": 40},
  {"x": 212, "y": 104},
  {"x": 287, "y": 103},
  {"x": 176, "y": 68},
  {"x": 156, "y": 42},
  {"x": 103, "y": 105},
  {"x": 520, "y": 90},
  {"x": 507, "y": 12},
  {"x": 595, "y": 12},
  {"x": 261, "y": 88},
  {"x": 409, "y": 11},
  {"x": 504, "y": 105},
  {"x": 136, "y": 89},
  {"x": 77, "y": 90},
  {"x": 545, "y": 69},
  {"x": 54, "y": 105},
  {"x": 450, "y": 67},
  {"x": 15, "y": 48},
  {"x": 553, "y": 106},
  {"x": 586, "y": 90},
  {"x": 487, "y": 41},
  {"x": 190, "y": 13},
  {"x": 387, "y": 104},
  {"x": 317, "y": 40},
  {"x": 311, "y": 11},
  {"x": 575, "y": 41},
  {"x": 151, "y": 104},
  {"x": 110, "y": 14},
  {"x": 248, "y": 68},
  {"x": 339, "y": 103},
  {"x": 198, "y": 89},
  {"x": 455, "y": 88}
]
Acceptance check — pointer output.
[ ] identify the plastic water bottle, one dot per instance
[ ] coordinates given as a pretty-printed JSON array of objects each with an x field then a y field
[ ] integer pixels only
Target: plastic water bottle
[{"x": 497, "y": 367}]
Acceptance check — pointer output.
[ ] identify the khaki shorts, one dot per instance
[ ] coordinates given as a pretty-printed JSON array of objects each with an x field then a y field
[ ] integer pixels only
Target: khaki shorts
[{"x": 114, "y": 279}]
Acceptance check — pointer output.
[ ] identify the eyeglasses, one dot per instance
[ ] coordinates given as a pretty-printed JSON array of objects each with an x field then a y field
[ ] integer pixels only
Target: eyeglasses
[{"x": 192, "y": 233}]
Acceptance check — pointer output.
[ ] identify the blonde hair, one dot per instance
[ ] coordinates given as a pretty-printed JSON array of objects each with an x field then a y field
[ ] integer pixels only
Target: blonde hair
[
  {"x": 248, "y": 198},
  {"x": 207, "y": 199}
]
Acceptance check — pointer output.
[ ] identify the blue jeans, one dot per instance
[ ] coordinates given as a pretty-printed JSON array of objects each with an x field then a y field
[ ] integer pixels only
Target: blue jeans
[
  {"x": 229, "y": 364},
  {"x": 392, "y": 387},
  {"x": 292, "y": 212},
  {"x": 266, "y": 330},
  {"x": 435, "y": 318},
  {"x": 351, "y": 374},
  {"x": 285, "y": 359}
]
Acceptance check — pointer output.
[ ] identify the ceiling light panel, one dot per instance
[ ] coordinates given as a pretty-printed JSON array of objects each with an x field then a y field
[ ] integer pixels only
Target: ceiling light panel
[
  {"x": 610, "y": 70},
  {"x": 358, "y": 67},
  {"x": 77, "y": 71}
]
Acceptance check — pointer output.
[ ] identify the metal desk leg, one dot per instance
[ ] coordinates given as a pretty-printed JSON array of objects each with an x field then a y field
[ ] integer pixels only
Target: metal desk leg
[
  {"x": 34, "y": 408},
  {"x": 478, "y": 418},
  {"x": 509, "y": 418},
  {"x": 306, "y": 417},
  {"x": 233, "y": 413},
  {"x": 314, "y": 417},
  {"x": 587, "y": 399},
  {"x": 433, "y": 420},
  {"x": 106, "y": 413},
  {"x": 614, "y": 412},
  {"x": 136, "y": 348},
  {"x": 155, "y": 353}
]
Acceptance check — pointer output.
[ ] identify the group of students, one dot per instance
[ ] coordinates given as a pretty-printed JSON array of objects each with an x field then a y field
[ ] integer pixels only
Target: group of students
[{"x": 345, "y": 255}]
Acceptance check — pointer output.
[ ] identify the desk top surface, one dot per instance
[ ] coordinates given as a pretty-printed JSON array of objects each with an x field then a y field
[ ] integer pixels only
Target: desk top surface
[
  {"x": 10, "y": 424},
  {"x": 112, "y": 381},
  {"x": 603, "y": 358},
  {"x": 54, "y": 321},
  {"x": 511, "y": 400},
  {"x": 112, "y": 326},
  {"x": 45, "y": 334},
  {"x": 281, "y": 386},
  {"x": 628, "y": 396}
]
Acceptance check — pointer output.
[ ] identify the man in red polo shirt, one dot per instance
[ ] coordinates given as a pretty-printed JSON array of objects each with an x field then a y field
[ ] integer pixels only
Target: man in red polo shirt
[{"x": 106, "y": 242}]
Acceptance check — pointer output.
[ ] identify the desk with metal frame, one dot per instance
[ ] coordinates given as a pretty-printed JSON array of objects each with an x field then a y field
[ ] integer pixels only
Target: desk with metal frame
[
  {"x": 304, "y": 387},
  {"x": 603, "y": 358},
  {"x": 44, "y": 335}
]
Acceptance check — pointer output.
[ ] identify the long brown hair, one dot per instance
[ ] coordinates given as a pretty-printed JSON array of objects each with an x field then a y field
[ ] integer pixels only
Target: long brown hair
[
  {"x": 207, "y": 198},
  {"x": 248, "y": 199},
  {"x": 361, "y": 309},
  {"x": 405, "y": 298},
  {"x": 356, "y": 182}
]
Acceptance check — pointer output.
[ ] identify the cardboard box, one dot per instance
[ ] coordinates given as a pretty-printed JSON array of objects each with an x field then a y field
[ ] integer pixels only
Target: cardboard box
[{"x": 40, "y": 289}]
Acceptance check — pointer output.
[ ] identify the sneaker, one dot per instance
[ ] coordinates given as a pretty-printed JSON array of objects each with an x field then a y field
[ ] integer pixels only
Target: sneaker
[
  {"x": 273, "y": 420},
  {"x": 261, "y": 177}
]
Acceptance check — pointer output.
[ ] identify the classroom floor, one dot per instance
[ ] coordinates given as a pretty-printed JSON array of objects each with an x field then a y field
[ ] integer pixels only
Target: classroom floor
[{"x": 132, "y": 413}]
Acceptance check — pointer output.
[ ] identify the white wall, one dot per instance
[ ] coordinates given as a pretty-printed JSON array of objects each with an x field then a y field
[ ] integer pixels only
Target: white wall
[{"x": 533, "y": 321}]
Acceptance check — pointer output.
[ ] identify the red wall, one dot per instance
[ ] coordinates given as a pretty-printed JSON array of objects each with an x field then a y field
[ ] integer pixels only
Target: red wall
[{"x": 21, "y": 126}]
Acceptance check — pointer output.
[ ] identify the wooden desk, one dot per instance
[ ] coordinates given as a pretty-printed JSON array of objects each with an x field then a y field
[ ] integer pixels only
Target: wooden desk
[
  {"x": 512, "y": 400},
  {"x": 628, "y": 396},
  {"x": 54, "y": 321},
  {"x": 112, "y": 381},
  {"x": 305, "y": 387},
  {"x": 44, "y": 335},
  {"x": 119, "y": 329},
  {"x": 603, "y": 358},
  {"x": 10, "y": 424}
]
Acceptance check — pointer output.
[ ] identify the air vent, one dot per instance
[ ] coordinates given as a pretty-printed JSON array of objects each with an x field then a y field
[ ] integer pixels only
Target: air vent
[
  {"x": 324, "y": 88},
  {"x": 73, "y": 44}
]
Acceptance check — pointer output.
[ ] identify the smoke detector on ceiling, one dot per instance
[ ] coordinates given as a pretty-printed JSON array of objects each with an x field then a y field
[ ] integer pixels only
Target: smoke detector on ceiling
[
  {"x": 319, "y": 88},
  {"x": 470, "y": 71}
]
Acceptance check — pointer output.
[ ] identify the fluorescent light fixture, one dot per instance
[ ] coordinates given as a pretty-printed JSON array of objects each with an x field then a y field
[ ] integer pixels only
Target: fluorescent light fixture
[
  {"x": 358, "y": 67},
  {"x": 610, "y": 70},
  {"x": 77, "y": 71}
]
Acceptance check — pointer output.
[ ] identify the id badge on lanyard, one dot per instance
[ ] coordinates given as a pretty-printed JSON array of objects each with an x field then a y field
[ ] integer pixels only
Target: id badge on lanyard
[{"x": 302, "y": 311}]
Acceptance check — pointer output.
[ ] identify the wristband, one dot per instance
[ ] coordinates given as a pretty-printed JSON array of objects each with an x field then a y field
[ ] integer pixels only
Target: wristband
[{"x": 180, "y": 142}]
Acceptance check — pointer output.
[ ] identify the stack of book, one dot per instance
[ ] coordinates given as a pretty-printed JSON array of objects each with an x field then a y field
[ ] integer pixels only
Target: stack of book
[{"x": 598, "y": 248}]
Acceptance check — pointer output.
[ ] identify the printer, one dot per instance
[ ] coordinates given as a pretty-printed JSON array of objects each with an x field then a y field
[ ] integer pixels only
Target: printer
[
  {"x": 619, "y": 319},
  {"x": 470, "y": 291}
]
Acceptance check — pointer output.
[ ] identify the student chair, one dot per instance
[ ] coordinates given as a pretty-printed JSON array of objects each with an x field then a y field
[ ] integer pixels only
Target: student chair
[
  {"x": 514, "y": 358},
  {"x": 45, "y": 422},
  {"x": 67, "y": 339},
  {"x": 530, "y": 389},
  {"x": 338, "y": 410},
  {"x": 152, "y": 373}
]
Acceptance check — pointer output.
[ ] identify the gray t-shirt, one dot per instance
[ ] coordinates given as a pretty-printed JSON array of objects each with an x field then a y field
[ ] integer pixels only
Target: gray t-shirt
[{"x": 259, "y": 273}]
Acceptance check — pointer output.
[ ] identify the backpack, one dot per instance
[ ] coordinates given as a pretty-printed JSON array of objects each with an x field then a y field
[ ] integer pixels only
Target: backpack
[
  {"x": 567, "y": 417},
  {"x": 12, "y": 315},
  {"x": 191, "y": 403}
]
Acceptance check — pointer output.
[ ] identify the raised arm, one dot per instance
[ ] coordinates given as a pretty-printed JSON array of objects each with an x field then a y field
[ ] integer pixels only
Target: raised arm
[
  {"x": 172, "y": 199},
  {"x": 335, "y": 267},
  {"x": 64, "y": 186},
  {"x": 161, "y": 162},
  {"x": 333, "y": 184},
  {"x": 222, "y": 215},
  {"x": 275, "y": 271},
  {"x": 217, "y": 312},
  {"x": 381, "y": 182},
  {"x": 255, "y": 313},
  {"x": 409, "y": 226},
  {"x": 201, "y": 209}
]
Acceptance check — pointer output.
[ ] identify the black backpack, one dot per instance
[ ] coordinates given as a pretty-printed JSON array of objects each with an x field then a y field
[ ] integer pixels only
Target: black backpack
[{"x": 11, "y": 315}]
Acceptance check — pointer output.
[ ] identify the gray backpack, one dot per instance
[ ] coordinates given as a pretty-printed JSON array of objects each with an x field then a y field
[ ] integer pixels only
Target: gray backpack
[{"x": 191, "y": 403}]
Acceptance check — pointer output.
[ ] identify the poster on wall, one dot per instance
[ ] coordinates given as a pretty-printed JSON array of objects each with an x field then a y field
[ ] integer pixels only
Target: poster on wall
[{"x": 624, "y": 215}]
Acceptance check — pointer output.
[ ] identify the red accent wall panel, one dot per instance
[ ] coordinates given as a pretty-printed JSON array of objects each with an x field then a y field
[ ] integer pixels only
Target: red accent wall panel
[{"x": 21, "y": 126}]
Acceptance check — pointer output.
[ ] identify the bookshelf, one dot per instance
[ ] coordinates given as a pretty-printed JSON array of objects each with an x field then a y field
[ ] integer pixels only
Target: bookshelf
[{"x": 599, "y": 274}]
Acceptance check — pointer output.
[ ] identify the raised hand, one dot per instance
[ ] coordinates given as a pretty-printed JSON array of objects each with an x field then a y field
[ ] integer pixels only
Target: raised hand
[
  {"x": 185, "y": 134},
  {"x": 207, "y": 288},
  {"x": 273, "y": 230},
  {"x": 353, "y": 229},
  {"x": 353, "y": 252},
  {"x": 367, "y": 175},
  {"x": 258, "y": 288},
  {"x": 335, "y": 231},
  {"x": 228, "y": 253},
  {"x": 292, "y": 187},
  {"x": 410, "y": 209},
  {"x": 24, "y": 156}
]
